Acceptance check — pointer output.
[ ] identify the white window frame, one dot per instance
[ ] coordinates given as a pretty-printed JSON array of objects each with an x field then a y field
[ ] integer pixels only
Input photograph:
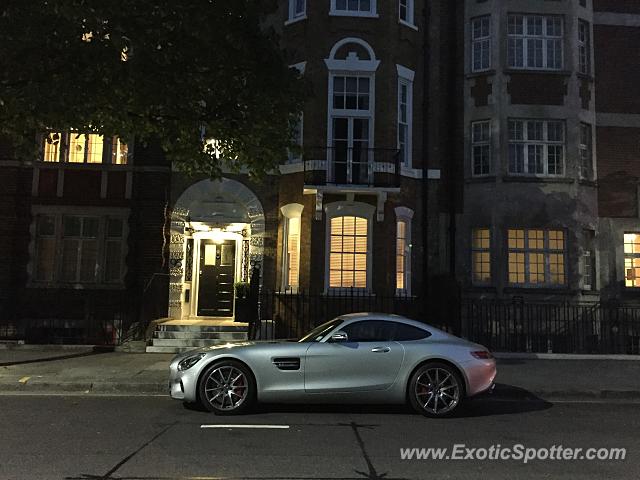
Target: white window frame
[
  {"x": 588, "y": 270},
  {"x": 296, "y": 16},
  {"x": 409, "y": 6},
  {"x": 58, "y": 214},
  {"x": 585, "y": 150},
  {"x": 531, "y": 145},
  {"x": 481, "y": 143},
  {"x": 351, "y": 66},
  {"x": 481, "y": 41},
  {"x": 372, "y": 12},
  {"x": 289, "y": 212},
  {"x": 349, "y": 209},
  {"x": 405, "y": 215},
  {"x": 546, "y": 251},
  {"x": 630, "y": 256},
  {"x": 584, "y": 47},
  {"x": 405, "y": 80},
  {"x": 525, "y": 38}
]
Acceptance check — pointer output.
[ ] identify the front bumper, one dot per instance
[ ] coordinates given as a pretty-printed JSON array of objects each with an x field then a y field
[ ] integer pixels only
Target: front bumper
[{"x": 183, "y": 385}]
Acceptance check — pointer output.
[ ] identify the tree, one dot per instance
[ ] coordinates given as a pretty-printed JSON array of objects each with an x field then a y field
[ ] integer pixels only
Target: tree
[{"x": 176, "y": 72}]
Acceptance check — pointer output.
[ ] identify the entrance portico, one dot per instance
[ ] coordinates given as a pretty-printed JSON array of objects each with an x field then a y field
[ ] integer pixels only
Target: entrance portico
[{"x": 217, "y": 230}]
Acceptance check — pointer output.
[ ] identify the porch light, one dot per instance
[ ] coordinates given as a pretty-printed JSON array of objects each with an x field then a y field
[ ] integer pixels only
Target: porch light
[{"x": 218, "y": 235}]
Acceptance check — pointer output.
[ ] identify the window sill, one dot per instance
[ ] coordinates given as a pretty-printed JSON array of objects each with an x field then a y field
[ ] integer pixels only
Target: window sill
[
  {"x": 531, "y": 179},
  {"x": 407, "y": 24},
  {"x": 291, "y": 21},
  {"x": 83, "y": 166},
  {"x": 346, "y": 292},
  {"x": 515, "y": 71},
  {"x": 585, "y": 76},
  {"x": 480, "y": 73},
  {"x": 338, "y": 13}
]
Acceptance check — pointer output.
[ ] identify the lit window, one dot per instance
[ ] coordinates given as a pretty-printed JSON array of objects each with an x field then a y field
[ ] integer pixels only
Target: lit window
[
  {"x": 632, "y": 260},
  {"x": 52, "y": 147},
  {"x": 403, "y": 255},
  {"x": 353, "y": 7},
  {"x": 76, "y": 147},
  {"x": 292, "y": 261},
  {"x": 536, "y": 147},
  {"x": 481, "y": 43},
  {"x": 536, "y": 257},
  {"x": 481, "y": 147},
  {"x": 348, "y": 252},
  {"x": 297, "y": 9},
  {"x": 481, "y": 256},
  {"x": 584, "y": 47},
  {"x": 535, "y": 42},
  {"x": 405, "y": 11}
]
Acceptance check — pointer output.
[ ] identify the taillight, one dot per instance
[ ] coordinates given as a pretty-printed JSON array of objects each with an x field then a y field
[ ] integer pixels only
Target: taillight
[{"x": 482, "y": 355}]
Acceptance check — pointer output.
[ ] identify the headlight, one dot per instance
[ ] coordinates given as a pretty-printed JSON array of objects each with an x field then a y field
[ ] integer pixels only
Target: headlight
[{"x": 189, "y": 362}]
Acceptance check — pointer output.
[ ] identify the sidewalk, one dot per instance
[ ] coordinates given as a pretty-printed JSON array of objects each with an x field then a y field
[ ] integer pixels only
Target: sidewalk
[{"x": 146, "y": 374}]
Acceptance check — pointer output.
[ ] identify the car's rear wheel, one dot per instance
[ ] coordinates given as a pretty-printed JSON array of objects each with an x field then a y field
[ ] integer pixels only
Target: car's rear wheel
[
  {"x": 227, "y": 388},
  {"x": 436, "y": 389}
]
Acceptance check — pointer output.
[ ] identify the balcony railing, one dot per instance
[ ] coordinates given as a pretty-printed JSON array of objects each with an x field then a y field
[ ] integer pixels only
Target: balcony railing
[{"x": 369, "y": 167}]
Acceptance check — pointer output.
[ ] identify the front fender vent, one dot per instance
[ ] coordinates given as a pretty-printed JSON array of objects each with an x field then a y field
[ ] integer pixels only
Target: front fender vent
[{"x": 287, "y": 363}]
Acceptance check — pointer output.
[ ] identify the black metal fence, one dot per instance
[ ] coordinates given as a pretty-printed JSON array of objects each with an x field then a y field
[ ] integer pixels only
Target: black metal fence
[
  {"x": 517, "y": 326},
  {"x": 503, "y": 326}
]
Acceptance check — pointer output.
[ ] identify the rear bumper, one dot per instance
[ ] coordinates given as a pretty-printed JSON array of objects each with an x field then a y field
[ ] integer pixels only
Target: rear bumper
[{"x": 481, "y": 376}]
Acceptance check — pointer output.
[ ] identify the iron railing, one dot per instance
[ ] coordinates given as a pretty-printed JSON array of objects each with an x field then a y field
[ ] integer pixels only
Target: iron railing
[{"x": 370, "y": 167}]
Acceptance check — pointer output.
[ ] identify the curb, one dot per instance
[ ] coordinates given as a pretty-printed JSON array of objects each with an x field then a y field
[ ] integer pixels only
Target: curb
[
  {"x": 89, "y": 388},
  {"x": 63, "y": 356},
  {"x": 562, "y": 356}
]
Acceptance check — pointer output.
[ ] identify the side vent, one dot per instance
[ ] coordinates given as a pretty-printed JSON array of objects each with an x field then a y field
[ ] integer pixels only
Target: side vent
[{"x": 287, "y": 363}]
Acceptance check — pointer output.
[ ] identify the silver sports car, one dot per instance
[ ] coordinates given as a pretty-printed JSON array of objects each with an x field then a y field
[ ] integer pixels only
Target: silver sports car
[{"x": 364, "y": 358}]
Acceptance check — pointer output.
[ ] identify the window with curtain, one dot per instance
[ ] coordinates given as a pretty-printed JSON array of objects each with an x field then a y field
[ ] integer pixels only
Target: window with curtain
[
  {"x": 348, "y": 252},
  {"x": 536, "y": 257},
  {"x": 74, "y": 147}
]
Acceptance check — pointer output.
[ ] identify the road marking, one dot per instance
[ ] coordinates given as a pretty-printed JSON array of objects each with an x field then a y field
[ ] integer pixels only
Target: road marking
[
  {"x": 24, "y": 380},
  {"x": 271, "y": 427}
]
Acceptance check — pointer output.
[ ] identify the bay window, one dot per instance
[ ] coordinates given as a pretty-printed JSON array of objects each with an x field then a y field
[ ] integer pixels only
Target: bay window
[
  {"x": 536, "y": 147},
  {"x": 364, "y": 8},
  {"x": 83, "y": 148},
  {"x": 481, "y": 43},
  {"x": 535, "y": 42},
  {"x": 536, "y": 257}
]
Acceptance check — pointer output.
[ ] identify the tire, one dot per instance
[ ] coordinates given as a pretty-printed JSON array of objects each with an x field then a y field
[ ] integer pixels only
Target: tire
[
  {"x": 436, "y": 390},
  {"x": 227, "y": 387}
]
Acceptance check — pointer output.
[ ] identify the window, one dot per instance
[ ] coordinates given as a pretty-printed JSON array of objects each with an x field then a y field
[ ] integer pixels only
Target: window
[
  {"x": 298, "y": 129},
  {"x": 535, "y": 42},
  {"x": 79, "y": 249},
  {"x": 586, "y": 152},
  {"x": 481, "y": 43},
  {"x": 297, "y": 9},
  {"x": 293, "y": 253},
  {"x": 351, "y": 130},
  {"x": 632, "y": 260},
  {"x": 405, "y": 11},
  {"x": 348, "y": 252},
  {"x": 84, "y": 148},
  {"x": 536, "y": 257},
  {"x": 481, "y": 147},
  {"x": 536, "y": 147},
  {"x": 405, "y": 113},
  {"x": 584, "y": 47},
  {"x": 407, "y": 333},
  {"x": 403, "y": 255},
  {"x": 481, "y": 256},
  {"x": 588, "y": 270},
  {"x": 370, "y": 331},
  {"x": 353, "y": 7}
]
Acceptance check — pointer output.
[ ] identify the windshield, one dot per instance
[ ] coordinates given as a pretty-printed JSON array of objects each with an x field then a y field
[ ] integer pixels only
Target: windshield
[{"x": 320, "y": 331}]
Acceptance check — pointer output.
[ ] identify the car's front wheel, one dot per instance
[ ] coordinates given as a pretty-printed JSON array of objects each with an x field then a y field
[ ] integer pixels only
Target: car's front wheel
[
  {"x": 436, "y": 389},
  {"x": 227, "y": 388}
]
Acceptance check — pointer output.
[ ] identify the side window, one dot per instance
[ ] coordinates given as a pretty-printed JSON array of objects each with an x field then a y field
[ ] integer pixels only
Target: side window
[
  {"x": 406, "y": 333},
  {"x": 370, "y": 331}
]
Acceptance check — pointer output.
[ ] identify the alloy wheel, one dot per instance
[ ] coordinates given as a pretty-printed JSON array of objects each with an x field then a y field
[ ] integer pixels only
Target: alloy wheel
[
  {"x": 226, "y": 388},
  {"x": 437, "y": 391}
]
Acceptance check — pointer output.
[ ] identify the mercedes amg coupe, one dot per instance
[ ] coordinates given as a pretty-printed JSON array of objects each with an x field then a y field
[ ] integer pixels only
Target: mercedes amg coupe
[{"x": 355, "y": 358}]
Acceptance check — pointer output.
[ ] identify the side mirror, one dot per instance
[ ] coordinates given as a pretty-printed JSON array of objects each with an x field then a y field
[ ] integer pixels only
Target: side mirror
[{"x": 338, "y": 337}]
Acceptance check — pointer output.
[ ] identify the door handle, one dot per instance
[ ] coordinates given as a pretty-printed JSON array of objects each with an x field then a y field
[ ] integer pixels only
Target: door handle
[{"x": 380, "y": 349}]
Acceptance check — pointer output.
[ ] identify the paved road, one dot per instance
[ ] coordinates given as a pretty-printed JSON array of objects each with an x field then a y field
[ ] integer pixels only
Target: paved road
[{"x": 140, "y": 438}]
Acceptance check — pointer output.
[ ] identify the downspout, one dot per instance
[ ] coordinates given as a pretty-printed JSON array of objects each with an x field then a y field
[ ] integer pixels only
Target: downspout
[{"x": 425, "y": 156}]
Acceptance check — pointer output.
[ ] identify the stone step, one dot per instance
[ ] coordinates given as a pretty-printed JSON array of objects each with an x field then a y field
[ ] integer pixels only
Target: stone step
[
  {"x": 199, "y": 328},
  {"x": 154, "y": 349},
  {"x": 230, "y": 336},
  {"x": 193, "y": 343}
]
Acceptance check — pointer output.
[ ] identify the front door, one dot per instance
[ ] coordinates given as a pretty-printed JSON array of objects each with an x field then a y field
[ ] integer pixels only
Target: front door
[{"x": 216, "y": 278}]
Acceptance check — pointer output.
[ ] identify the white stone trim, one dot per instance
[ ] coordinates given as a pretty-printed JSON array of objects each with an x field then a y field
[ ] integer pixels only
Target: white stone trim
[
  {"x": 300, "y": 66},
  {"x": 406, "y": 73},
  {"x": 416, "y": 173},
  {"x": 352, "y": 63}
]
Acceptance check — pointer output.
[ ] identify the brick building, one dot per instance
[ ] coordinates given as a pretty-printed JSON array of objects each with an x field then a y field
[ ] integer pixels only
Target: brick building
[{"x": 483, "y": 146}]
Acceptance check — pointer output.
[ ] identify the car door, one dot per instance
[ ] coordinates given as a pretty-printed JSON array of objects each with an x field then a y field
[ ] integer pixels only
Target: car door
[{"x": 368, "y": 360}]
